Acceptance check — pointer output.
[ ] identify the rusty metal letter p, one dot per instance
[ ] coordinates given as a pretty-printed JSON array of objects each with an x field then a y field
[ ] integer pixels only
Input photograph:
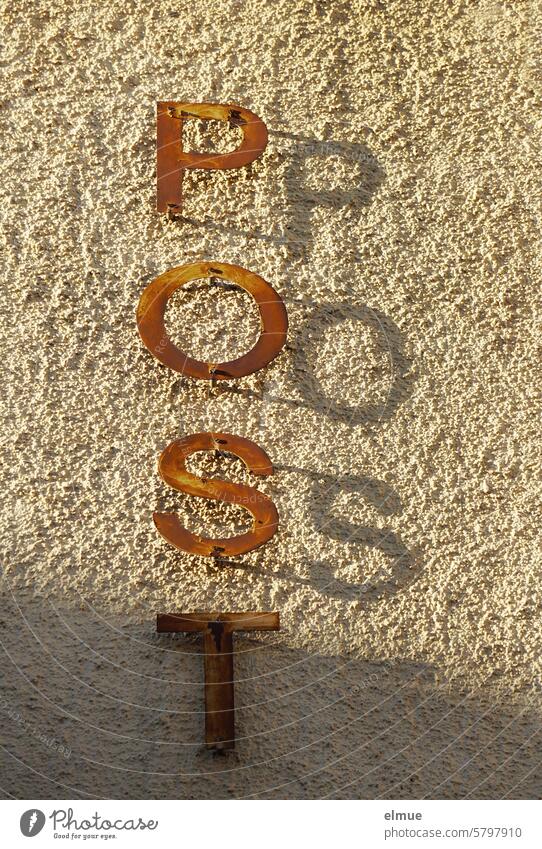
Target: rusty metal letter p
[{"x": 172, "y": 160}]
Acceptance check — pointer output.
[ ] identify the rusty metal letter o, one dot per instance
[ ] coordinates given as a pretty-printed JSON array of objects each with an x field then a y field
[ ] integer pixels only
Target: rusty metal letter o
[
  {"x": 152, "y": 307},
  {"x": 172, "y": 467}
]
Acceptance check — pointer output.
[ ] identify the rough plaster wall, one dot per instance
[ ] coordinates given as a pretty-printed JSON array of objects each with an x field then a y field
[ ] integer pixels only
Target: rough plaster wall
[{"x": 397, "y": 210}]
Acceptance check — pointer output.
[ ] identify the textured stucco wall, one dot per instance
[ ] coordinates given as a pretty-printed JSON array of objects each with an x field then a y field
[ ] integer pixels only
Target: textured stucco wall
[{"x": 397, "y": 209}]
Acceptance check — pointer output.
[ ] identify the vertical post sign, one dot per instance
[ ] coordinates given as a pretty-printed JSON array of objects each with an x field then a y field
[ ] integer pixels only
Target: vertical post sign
[{"x": 217, "y": 628}]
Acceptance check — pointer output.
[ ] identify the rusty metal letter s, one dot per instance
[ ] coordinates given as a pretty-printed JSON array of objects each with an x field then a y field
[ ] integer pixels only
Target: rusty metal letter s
[{"x": 173, "y": 471}]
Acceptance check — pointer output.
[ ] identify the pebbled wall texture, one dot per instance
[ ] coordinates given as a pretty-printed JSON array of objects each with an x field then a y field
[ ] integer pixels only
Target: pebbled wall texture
[{"x": 397, "y": 210}]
